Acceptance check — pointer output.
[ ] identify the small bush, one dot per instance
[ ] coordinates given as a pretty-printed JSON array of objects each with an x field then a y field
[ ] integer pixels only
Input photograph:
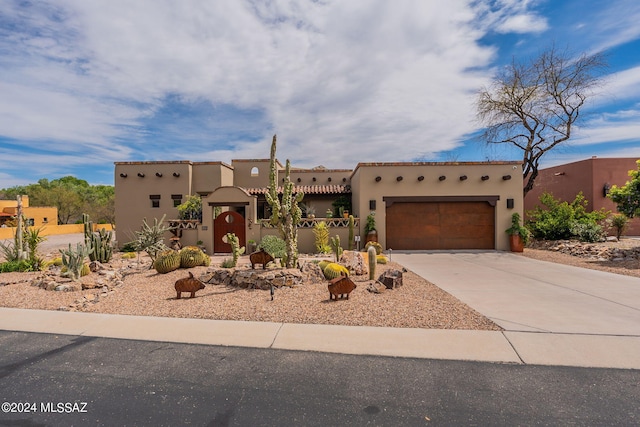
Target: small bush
[
  {"x": 555, "y": 220},
  {"x": 13, "y": 266},
  {"x": 619, "y": 223},
  {"x": 274, "y": 246},
  {"x": 587, "y": 232},
  {"x": 129, "y": 247}
]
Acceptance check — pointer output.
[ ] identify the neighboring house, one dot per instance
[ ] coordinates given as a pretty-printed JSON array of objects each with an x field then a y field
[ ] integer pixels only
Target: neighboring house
[
  {"x": 35, "y": 216},
  {"x": 461, "y": 205},
  {"x": 593, "y": 177}
]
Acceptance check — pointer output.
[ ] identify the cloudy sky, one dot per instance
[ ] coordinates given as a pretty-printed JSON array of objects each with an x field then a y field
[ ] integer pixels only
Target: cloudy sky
[{"x": 84, "y": 84}]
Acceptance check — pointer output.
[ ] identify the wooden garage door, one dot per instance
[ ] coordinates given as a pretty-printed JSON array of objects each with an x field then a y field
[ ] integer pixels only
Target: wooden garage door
[{"x": 440, "y": 225}]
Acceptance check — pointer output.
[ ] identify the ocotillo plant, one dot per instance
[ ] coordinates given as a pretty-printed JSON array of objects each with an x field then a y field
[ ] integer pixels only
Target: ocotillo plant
[
  {"x": 285, "y": 212},
  {"x": 100, "y": 241}
]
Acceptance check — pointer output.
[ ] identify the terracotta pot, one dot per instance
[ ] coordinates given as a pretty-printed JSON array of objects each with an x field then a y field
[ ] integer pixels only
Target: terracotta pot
[
  {"x": 372, "y": 236},
  {"x": 515, "y": 243}
]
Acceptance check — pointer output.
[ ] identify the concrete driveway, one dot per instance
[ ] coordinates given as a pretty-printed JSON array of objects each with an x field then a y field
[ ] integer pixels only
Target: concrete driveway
[{"x": 522, "y": 294}]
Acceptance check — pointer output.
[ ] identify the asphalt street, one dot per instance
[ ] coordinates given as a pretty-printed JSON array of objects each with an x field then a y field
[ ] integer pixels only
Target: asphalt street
[{"x": 65, "y": 380}]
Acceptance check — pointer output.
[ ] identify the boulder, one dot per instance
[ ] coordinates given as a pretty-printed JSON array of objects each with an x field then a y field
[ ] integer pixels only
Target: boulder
[
  {"x": 255, "y": 279},
  {"x": 312, "y": 272},
  {"x": 355, "y": 263},
  {"x": 391, "y": 279},
  {"x": 376, "y": 287}
]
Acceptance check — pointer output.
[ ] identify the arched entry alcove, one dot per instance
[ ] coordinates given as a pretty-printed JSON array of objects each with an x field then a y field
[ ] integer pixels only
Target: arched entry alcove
[{"x": 237, "y": 216}]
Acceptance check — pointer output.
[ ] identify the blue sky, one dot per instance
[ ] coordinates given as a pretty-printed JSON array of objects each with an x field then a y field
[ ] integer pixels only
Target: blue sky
[{"x": 84, "y": 84}]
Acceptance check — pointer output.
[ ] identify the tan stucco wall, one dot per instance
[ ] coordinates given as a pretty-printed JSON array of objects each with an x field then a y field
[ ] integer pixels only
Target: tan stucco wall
[
  {"x": 366, "y": 188},
  {"x": 245, "y": 179},
  {"x": 207, "y": 176},
  {"x": 132, "y": 193}
]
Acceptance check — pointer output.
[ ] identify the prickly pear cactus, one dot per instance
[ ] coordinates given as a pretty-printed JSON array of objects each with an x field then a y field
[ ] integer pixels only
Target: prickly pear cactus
[{"x": 167, "y": 261}]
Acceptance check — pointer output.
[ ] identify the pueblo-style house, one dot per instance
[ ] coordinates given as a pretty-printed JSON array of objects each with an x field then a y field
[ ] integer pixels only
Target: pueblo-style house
[{"x": 417, "y": 205}]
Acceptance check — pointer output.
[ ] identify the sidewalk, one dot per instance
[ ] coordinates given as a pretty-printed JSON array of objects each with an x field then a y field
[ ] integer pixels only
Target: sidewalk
[{"x": 483, "y": 346}]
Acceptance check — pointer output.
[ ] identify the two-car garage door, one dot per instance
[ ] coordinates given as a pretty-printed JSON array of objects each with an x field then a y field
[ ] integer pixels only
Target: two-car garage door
[{"x": 440, "y": 224}]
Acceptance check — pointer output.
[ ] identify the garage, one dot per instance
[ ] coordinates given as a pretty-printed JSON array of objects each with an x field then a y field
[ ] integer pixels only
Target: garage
[{"x": 436, "y": 223}]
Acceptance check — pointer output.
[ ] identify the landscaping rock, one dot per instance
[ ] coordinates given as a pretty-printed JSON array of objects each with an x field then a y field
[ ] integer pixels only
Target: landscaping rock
[
  {"x": 312, "y": 272},
  {"x": 355, "y": 263},
  {"x": 376, "y": 287},
  {"x": 391, "y": 279},
  {"x": 255, "y": 279}
]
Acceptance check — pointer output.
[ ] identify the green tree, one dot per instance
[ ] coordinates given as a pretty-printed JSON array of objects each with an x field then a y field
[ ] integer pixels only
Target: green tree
[
  {"x": 534, "y": 105},
  {"x": 627, "y": 197},
  {"x": 72, "y": 197}
]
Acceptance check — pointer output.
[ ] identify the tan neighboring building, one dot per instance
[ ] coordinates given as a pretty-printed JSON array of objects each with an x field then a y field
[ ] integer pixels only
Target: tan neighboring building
[
  {"x": 461, "y": 205},
  {"x": 36, "y": 216}
]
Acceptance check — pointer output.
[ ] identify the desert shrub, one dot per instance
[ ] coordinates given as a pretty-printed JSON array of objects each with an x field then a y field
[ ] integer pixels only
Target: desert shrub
[
  {"x": 274, "y": 246},
  {"x": 129, "y": 247},
  {"x": 13, "y": 266},
  {"x": 587, "y": 232},
  {"x": 556, "y": 220},
  {"x": 619, "y": 223}
]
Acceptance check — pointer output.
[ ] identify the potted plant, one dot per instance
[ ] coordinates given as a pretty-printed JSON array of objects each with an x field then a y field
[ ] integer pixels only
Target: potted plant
[
  {"x": 370, "y": 228},
  {"x": 518, "y": 234},
  {"x": 251, "y": 246},
  {"x": 311, "y": 212}
]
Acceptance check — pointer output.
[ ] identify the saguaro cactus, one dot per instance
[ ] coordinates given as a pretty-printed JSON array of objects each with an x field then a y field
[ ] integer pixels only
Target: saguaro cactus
[{"x": 285, "y": 212}]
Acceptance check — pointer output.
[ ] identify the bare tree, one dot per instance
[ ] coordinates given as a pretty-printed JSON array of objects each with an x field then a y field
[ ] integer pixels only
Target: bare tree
[{"x": 534, "y": 105}]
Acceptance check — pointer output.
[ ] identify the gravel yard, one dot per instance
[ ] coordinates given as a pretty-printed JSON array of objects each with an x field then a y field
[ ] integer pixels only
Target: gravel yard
[{"x": 417, "y": 304}]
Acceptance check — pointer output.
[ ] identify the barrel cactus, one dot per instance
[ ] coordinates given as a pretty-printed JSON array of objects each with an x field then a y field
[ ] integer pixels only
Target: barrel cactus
[
  {"x": 167, "y": 261},
  {"x": 323, "y": 264},
  {"x": 192, "y": 256},
  {"x": 333, "y": 270}
]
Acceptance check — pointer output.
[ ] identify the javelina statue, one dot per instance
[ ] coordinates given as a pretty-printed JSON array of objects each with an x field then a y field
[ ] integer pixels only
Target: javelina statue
[
  {"x": 188, "y": 284},
  {"x": 260, "y": 257},
  {"x": 340, "y": 286}
]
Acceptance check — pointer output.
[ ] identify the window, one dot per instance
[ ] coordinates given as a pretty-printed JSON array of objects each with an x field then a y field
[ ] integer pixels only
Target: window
[
  {"x": 155, "y": 200},
  {"x": 31, "y": 222},
  {"x": 45, "y": 220},
  {"x": 255, "y": 171},
  {"x": 177, "y": 200}
]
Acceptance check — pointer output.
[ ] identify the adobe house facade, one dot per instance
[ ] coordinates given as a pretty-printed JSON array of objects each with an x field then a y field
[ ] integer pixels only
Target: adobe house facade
[
  {"x": 593, "y": 177},
  {"x": 36, "y": 216},
  {"x": 418, "y": 205}
]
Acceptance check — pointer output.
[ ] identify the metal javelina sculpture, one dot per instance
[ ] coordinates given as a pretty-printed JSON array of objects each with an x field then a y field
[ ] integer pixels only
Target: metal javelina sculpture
[
  {"x": 260, "y": 257},
  {"x": 188, "y": 284},
  {"x": 340, "y": 286}
]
